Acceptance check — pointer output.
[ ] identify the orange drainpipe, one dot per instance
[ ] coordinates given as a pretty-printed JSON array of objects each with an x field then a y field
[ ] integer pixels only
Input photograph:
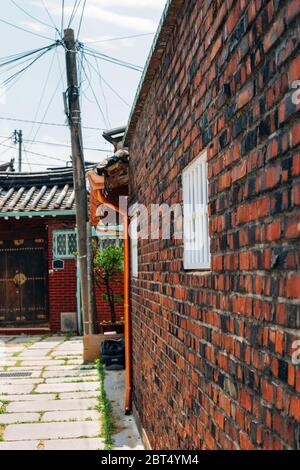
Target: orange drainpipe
[{"x": 128, "y": 398}]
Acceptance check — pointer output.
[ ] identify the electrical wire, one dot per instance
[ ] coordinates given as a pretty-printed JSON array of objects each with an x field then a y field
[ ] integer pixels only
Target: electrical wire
[
  {"x": 103, "y": 94},
  {"x": 81, "y": 18},
  {"x": 34, "y": 153},
  {"x": 111, "y": 59},
  {"x": 54, "y": 144},
  {"x": 94, "y": 94},
  {"x": 19, "y": 73},
  {"x": 47, "y": 108},
  {"x": 30, "y": 15},
  {"x": 43, "y": 92},
  {"x": 109, "y": 86},
  {"x": 119, "y": 38},
  {"x": 23, "y": 29},
  {"x": 27, "y": 158},
  {"x": 74, "y": 11},
  {"x": 50, "y": 18},
  {"x": 62, "y": 16},
  {"x": 28, "y": 121},
  {"x": 22, "y": 55}
]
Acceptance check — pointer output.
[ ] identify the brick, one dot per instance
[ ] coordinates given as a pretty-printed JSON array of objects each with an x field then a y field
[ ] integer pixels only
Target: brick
[
  {"x": 245, "y": 96},
  {"x": 274, "y": 34},
  {"x": 274, "y": 231},
  {"x": 293, "y": 10},
  {"x": 293, "y": 286}
]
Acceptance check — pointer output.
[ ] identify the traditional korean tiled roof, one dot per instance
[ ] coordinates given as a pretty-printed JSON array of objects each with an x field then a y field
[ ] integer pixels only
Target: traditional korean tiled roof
[{"x": 42, "y": 192}]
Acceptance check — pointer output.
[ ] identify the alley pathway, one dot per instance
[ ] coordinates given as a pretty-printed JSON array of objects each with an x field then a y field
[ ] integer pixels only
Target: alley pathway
[{"x": 48, "y": 397}]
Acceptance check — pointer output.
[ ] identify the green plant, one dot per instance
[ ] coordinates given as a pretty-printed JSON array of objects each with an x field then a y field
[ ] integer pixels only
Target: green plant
[
  {"x": 105, "y": 409},
  {"x": 107, "y": 264}
]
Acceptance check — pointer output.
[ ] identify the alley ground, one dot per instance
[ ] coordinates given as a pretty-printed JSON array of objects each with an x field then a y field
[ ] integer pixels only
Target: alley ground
[{"x": 49, "y": 398}]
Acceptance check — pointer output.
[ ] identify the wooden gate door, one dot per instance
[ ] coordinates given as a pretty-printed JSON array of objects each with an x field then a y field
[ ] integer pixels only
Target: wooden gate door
[{"x": 23, "y": 282}]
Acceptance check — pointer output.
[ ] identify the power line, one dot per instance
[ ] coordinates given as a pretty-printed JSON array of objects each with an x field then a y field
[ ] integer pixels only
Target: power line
[
  {"x": 27, "y": 158},
  {"x": 50, "y": 18},
  {"x": 28, "y": 121},
  {"x": 111, "y": 59},
  {"x": 30, "y": 15},
  {"x": 34, "y": 153},
  {"x": 62, "y": 16},
  {"x": 47, "y": 108},
  {"x": 54, "y": 144},
  {"x": 94, "y": 94},
  {"x": 109, "y": 86},
  {"x": 119, "y": 38},
  {"x": 81, "y": 18},
  {"x": 74, "y": 11},
  {"x": 22, "y": 55},
  {"x": 23, "y": 29},
  {"x": 22, "y": 71},
  {"x": 43, "y": 92},
  {"x": 103, "y": 94}
]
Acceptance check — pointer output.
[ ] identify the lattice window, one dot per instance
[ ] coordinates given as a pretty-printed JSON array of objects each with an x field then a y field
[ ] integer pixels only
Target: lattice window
[
  {"x": 64, "y": 244},
  {"x": 196, "y": 220}
]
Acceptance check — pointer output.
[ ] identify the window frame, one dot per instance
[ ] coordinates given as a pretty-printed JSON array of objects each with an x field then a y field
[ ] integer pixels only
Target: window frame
[
  {"x": 55, "y": 235},
  {"x": 199, "y": 219}
]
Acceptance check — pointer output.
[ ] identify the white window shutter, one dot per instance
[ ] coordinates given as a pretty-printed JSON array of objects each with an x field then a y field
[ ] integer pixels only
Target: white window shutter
[
  {"x": 195, "y": 206},
  {"x": 134, "y": 247}
]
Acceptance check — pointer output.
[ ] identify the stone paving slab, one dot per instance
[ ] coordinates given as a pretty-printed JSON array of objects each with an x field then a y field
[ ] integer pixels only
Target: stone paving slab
[
  {"x": 21, "y": 368},
  {"x": 79, "y": 395},
  {"x": 48, "y": 345},
  {"x": 21, "y": 445},
  {"x": 9, "y": 418},
  {"x": 32, "y": 397},
  {"x": 77, "y": 415},
  {"x": 20, "y": 381},
  {"x": 11, "y": 347},
  {"x": 33, "y": 354},
  {"x": 73, "y": 362},
  {"x": 41, "y": 362},
  {"x": 51, "y": 405},
  {"x": 56, "y": 353},
  {"x": 69, "y": 373},
  {"x": 15, "y": 389},
  {"x": 16, "y": 432},
  {"x": 73, "y": 379},
  {"x": 74, "y": 444},
  {"x": 7, "y": 362},
  {"x": 26, "y": 339},
  {"x": 52, "y": 339},
  {"x": 67, "y": 387},
  {"x": 75, "y": 367}
]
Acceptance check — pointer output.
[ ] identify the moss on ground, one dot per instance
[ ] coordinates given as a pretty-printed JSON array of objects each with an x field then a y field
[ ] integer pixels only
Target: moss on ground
[{"x": 105, "y": 409}]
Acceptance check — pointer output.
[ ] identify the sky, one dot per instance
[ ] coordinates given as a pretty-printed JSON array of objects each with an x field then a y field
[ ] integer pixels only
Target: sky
[{"x": 37, "y": 94}]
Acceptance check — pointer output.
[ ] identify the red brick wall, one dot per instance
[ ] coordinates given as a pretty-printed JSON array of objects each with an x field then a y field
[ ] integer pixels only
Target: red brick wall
[
  {"x": 212, "y": 351},
  {"x": 63, "y": 286},
  {"x": 62, "y": 282},
  {"x": 103, "y": 310}
]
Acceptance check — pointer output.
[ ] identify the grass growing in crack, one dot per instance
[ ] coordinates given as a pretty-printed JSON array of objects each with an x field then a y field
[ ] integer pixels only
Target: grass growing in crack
[
  {"x": 3, "y": 407},
  {"x": 2, "y": 429},
  {"x": 105, "y": 409}
]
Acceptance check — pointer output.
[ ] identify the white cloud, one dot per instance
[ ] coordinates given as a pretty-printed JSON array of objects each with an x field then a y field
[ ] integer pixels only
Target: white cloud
[
  {"x": 137, "y": 4},
  {"x": 34, "y": 26},
  {"x": 135, "y": 23},
  {"x": 94, "y": 11},
  {"x": 155, "y": 4}
]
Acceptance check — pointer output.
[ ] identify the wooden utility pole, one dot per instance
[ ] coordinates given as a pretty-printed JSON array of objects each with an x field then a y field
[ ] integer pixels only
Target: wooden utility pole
[
  {"x": 19, "y": 140},
  {"x": 79, "y": 179}
]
